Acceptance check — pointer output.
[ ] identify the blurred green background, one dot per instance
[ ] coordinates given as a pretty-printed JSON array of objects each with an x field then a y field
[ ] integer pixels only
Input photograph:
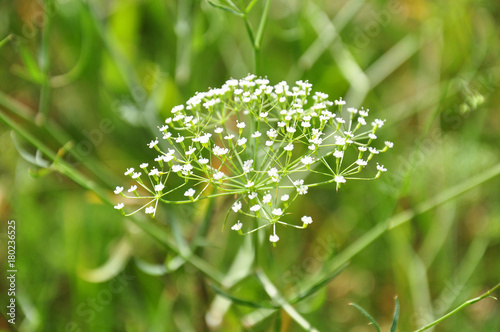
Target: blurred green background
[{"x": 91, "y": 80}]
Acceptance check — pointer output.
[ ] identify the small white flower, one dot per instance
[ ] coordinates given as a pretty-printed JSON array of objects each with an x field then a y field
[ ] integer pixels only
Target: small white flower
[
  {"x": 306, "y": 220},
  {"x": 163, "y": 128},
  {"x": 373, "y": 150},
  {"x": 247, "y": 165},
  {"x": 189, "y": 193},
  {"x": 378, "y": 122},
  {"x": 352, "y": 110},
  {"x": 389, "y": 144},
  {"x": 339, "y": 179},
  {"x": 340, "y": 101},
  {"x": 203, "y": 161},
  {"x": 291, "y": 130},
  {"x": 274, "y": 238},
  {"x": 229, "y": 137},
  {"x": 267, "y": 198},
  {"x": 381, "y": 168},
  {"x": 285, "y": 198},
  {"x": 154, "y": 172},
  {"x": 277, "y": 212},
  {"x": 152, "y": 144},
  {"x": 338, "y": 154},
  {"x": 302, "y": 190},
  {"x": 255, "y": 208},
  {"x": 273, "y": 172},
  {"x": 187, "y": 168},
  {"x": 362, "y": 121},
  {"x": 264, "y": 114},
  {"x": 150, "y": 210},
  {"x": 218, "y": 151},
  {"x": 339, "y": 140},
  {"x": 136, "y": 175},
  {"x": 240, "y": 125},
  {"x": 159, "y": 187},
  {"x": 269, "y": 143},
  {"x": 249, "y": 184},
  {"x": 179, "y": 139},
  {"x": 305, "y": 124},
  {"x": 218, "y": 130},
  {"x": 129, "y": 171},
  {"x": 281, "y": 124},
  {"x": 307, "y": 160},
  {"x": 237, "y": 226},
  {"x": 289, "y": 147},
  {"x": 362, "y": 148},
  {"x": 236, "y": 206},
  {"x": 218, "y": 175},
  {"x": 242, "y": 141},
  {"x": 252, "y": 195},
  {"x": 256, "y": 134},
  {"x": 119, "y": 206},
  {"x": 132, "y": 188},
  {"x": 361, "y": 162},
  {"x": 176, "y": 168},
  {"x": 143, "y": 165},
  {"x": 271, "y": 133},
  {"x": 118, "y": 190},
  {"x": 177, "y": 109},
  {"x": 372, "y": 136},
  {"x": 190, "y": 151}
]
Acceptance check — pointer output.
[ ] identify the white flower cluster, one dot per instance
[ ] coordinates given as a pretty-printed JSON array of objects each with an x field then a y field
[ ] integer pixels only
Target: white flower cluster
[{"x": 258, "y": 143}]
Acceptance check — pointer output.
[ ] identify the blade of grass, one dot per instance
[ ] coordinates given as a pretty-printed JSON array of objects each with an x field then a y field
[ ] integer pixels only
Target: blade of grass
[
  {"x": 239, "y": 301},
  {"x": 5, "y": 40},
  {"x": 367, "y": 315},
  {"x": 234, "y": 10},
  {"x": 460, "y": 307},
  {"x": 395, "y": 317}
]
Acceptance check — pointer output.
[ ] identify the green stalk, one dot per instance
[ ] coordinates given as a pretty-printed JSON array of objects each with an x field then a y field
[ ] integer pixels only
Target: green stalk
[
  {"x": 460, "y": 307},
  {"x": 43, "y": 107}
]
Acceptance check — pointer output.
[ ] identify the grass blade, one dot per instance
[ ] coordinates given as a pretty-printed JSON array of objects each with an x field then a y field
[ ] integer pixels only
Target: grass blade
[
  {"x": 367, "y": 315},
  {"x": 396, "y": 316},
  {"x": 5, "y": 40},
  {"x": 318, "y": 286},
  {"x": 236, "y": 11},
  {"x": 247, "y": 303}
]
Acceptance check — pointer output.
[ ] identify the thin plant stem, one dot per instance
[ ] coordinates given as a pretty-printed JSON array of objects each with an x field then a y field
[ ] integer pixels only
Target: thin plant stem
[
  {"x": 43, "y": 108},
  {"x": 460, "y": 307}
]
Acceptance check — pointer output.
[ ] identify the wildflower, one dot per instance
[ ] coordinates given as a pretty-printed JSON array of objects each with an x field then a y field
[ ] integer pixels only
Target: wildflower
[
  {"x": 242, "y": 141},
  {"x": 339, "y": 179},
  {"x": 277, "y": 212},
  {"x": 255, "y": 208},
  {"x": 338, "y": 154},
  {"x": 136, "y": 175},
  {"x": 307, "y": 160},
  {"x": 285, "y": 198},
  {"x": 218, "y": 151},
  {"x": 218, "y": 130},
  {"x": 267, "y": 198},
  {"x": 256, "y": 134},
  {"x": 132, "y": 189},
  {"x": 237, "y": 226},
  {"x": 361, "y": 162},
  {"x": 372, "y": 136},
  {"x": 236, "y": 206},
  {"x": 218, "y": 175},
  {"x": 240, "y": 125},
  {"x": 152, "y": 144},
  {"x": 249, "y": 184},
  {"x": 118, "y": 190},
  {"x": 129, "y": 171},
  {"x": 247, "y": 166},
  {"x": 144, "y": 165},
  {"x": 159, "y": 187},
  {"x": 381, "y": 168},
  {"x": 119, "y": 206},
  {"x": 289, "y": 147},
  {"x": 189, "y": 193},
  {"x": 306, "y": 220},
  {"x": 389, "y": 144},
  {"x": 274, "y": 238},
  {"x": 150, "y": 210}
]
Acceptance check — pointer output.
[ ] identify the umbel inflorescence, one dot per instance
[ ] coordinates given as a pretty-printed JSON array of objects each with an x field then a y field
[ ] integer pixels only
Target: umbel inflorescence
[{"x": 257, "y": 143}]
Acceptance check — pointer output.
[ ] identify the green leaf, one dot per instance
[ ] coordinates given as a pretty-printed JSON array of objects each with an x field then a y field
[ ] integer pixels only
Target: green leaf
[
  {"x": 149, "y": 268},
  {"x": 396, "y": 316},
  {"x": 318, "y": 286},
  {"x": 235, "y": 300},
  {"x": 367, "y": 315},
  {"x": 262, "y": 24},
  {"x": 277, "y": 321},
  {"x": 250, "y": 6},
  {"x": 235, "y": 10}
]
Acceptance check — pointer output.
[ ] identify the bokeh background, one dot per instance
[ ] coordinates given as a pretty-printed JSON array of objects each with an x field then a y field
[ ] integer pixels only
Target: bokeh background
[{"x": 87, "y": 82}]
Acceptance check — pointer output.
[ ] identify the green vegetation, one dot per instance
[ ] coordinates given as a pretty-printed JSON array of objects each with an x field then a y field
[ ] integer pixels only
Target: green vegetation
[{"x": 84, "y": 85}]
